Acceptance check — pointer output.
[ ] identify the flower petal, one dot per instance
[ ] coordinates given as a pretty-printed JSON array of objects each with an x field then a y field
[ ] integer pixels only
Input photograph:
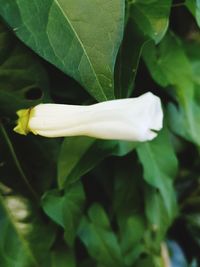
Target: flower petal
[{"x": 133, "y": 119}]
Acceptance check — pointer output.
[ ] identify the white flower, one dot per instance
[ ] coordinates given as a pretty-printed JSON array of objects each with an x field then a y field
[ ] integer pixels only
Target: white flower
[{"x": 133, "y": 119}]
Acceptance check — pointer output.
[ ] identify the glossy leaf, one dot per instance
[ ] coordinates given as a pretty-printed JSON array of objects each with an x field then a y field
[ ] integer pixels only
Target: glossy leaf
[{"x": 73, "y": 36}]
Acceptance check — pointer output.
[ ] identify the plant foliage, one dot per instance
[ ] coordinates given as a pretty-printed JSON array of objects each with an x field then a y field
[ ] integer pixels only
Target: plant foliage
[{"x": 84, "y": 202}]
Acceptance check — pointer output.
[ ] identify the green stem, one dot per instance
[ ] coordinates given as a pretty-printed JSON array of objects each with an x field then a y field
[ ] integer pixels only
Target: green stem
[{"x": 18, "y": 165}]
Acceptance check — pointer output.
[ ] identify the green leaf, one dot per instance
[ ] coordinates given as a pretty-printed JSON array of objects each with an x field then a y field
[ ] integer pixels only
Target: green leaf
[
  {"x": 65, "y": 209},
  {"x": 194, "y": 7},
  {"x": 152, "y": 17},
  {"x": 128, "y": 59},
  {"x": 147, "y": 261},
  {"x": 73, "y": 36},
  {"x": 140, "y": 210},
  {"x": 128, "y": 207},
  {"x": 160, "y": 166},
  {"x": 23, "y": 81},
  {"x": 123, "y": 148},
  {"x": 62, "y": 259},
  {"x": 185, "y": 124},
  {"x": 159, "y": 220},
  {"x": 100, "y": 241},
  {"x": 127, "y": 190},
  {"x": 170, "y": 67},
  {"x": 78, "y": 155},
  {"x": 25, "y": 239},
  {"x": 23, "y": 160},
  {"x": 71, "y": 153},
  {"x": 160, "y": 59},
  {"x": 86, "y": 263},
  {"x": 132, "y": 236}
]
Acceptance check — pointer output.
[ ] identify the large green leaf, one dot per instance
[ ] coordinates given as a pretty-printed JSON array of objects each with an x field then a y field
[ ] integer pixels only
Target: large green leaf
[
  {"x": 100, "y": 241},
  {"x": 160, "y": 166},
  {"x": 23, "y": 81},
  {"x": 65, "y": 209},
  {"x": 25, "y": 239},
  {"x": 73, "y": 36},
  {"x": 152, "y": 17}
]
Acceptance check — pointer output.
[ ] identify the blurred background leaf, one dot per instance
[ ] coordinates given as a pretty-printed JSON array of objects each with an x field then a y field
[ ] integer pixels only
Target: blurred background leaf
[
  {"x": 25, "y": 238},
  {"x": 194, "y": 7},
  {"x": 65, "y": 209},
  {"x": 101, "y": 242},
  {"x": 23, "y": 80}
]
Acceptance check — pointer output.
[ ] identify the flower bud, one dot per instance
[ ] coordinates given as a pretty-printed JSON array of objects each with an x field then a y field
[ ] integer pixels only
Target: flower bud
[{"x": 132, "y": 119}]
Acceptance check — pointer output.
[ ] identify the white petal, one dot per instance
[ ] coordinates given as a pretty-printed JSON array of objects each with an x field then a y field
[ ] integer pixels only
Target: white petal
[{"x": 124, "y": 119}]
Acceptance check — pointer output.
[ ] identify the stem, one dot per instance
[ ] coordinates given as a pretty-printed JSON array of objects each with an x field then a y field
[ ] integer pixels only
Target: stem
[{"x": 18, "y": 165}]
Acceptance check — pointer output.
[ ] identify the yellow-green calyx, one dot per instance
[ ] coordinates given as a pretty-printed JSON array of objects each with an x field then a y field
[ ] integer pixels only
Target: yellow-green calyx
[{"x": 22, "y": 122}]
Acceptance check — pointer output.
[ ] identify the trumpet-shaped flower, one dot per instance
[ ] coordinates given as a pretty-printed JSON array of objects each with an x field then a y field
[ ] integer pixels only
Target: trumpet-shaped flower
[{"x": 133, "y": 119}]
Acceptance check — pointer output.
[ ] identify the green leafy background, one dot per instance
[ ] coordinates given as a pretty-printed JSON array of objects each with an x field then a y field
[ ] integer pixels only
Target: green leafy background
[{"x": 84, "y": 202}]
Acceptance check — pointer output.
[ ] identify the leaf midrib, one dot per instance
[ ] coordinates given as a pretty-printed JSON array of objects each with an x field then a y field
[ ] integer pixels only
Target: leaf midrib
[{"x": 82, "y": 45}]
